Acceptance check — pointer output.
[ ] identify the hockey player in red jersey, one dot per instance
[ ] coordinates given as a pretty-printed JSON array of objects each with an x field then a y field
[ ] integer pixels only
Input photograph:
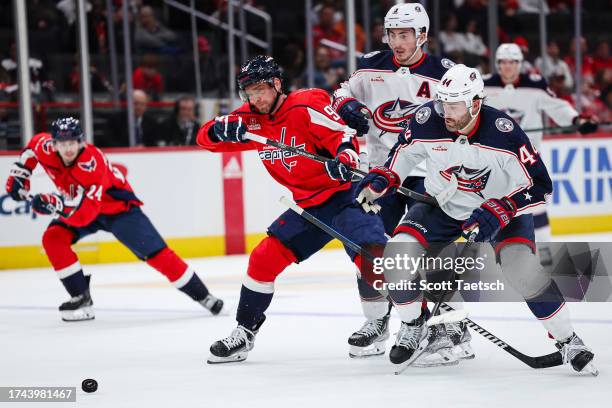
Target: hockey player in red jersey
[
  {"x": 306, "y": 120},
  {"x": 93, "y": 196}
]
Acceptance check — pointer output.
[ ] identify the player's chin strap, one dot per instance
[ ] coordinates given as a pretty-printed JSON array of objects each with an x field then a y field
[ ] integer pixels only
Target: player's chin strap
[
  {"x": 473, "y": 117},
  {"x": 419, "y": 44}
]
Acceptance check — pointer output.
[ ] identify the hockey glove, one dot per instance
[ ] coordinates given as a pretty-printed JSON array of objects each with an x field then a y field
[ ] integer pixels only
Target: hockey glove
[
  {"x": 229, "y": 128},
  {"x": 380, "y": 181},
  {"x": 340, "y": 167},
  {"x": 354, "y": 113},
  {"x": 493, "y": 215},
  {"x": 18, "y": 182},
  {"x": 48, "y": 204},
  {"x": 586, "y": 125}
]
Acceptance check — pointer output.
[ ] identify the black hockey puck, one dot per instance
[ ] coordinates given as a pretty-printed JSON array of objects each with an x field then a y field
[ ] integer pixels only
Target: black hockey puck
[{"x": 89, "y": 385}]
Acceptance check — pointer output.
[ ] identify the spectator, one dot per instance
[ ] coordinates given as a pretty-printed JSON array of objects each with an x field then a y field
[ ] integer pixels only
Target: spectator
[
  {"x": 325, "y": 77},
  {"x": 10, "y": 128},
  {"x": 147, "y": 78},
  {"x": 293, "y": 66},
  {"x": 552, "y": 64},
  {"x": 378, "y": 33},
  {"x": 151, "y": 35},
  {"x": 587, "y": 61},
  {"x": 473, "y": 45},
  {"x": 451, "y": 40},
  {"x": 145, "y": 126},
  {"x": 181, "y": 127},
  {"x": 326, "y": 29},
  {"x": 98, "y": 81},
  {"x": 602, "y": 59},
  {"x": 473, "y": 10},
  {"x": 41, "y": 87}
]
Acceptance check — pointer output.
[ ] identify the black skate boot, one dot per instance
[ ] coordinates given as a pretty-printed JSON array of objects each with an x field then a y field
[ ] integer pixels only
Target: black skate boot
[
  {"x": 461, "y": 337},
  {"x": 236, "y": 346},
  {"x": 411, "y": 341},
  {"x": 212, "y": 304},
  {"x": 370, "y": 339},
  {"x": 577, "y": 354},
  {"x": 78, "y": 308}
]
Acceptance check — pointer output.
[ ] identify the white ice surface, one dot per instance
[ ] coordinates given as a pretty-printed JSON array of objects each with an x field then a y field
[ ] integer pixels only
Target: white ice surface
[{"x": 148, "y": 345}]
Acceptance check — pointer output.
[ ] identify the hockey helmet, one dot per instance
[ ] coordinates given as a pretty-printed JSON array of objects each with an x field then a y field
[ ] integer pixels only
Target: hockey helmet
[
  {"x": 408, "y": 15},
  {"x": 508, "y": 51},
  {"x": 261, "y": 68},
  {"x": 459, "y": 84},
  {"x": 66, "y": 128}
]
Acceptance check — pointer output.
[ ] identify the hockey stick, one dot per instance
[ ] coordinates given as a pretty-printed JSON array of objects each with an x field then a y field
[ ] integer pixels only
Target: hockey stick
[
  {"x": 545, "y": 361},
  {"x": 561, "y": 128},
  {"x": 440, "y": 198}
]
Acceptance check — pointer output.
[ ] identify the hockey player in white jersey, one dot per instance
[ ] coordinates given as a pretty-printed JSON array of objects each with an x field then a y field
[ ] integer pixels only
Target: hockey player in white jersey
[
  {"x": 501, "y": 181},
  {"x": 525, "y": 98},
  {"x": 378, "y": 101}
]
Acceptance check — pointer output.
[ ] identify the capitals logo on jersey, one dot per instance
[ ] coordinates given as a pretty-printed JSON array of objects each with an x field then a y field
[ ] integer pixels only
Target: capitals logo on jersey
[
  {"x": 393, "y": 116},
  {"x": 277, "y": 154},
  {"x": 88, "y": 166},
  {"x": 470, "y": 180}
]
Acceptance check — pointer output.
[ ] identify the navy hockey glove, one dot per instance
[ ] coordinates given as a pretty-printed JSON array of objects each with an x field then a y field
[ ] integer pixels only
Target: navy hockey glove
[
  {"x": 18, "y": 182},
  {"x": 48, "y": 204},
  {"x": 380, "y": 181},
  {"x": 229, "y": 128},
  {"x": 354, "y": 113},
  {"x": 340, "y": 167},
  {"x": 492, "y": 216},
  {"x": 586, "y": 124}
]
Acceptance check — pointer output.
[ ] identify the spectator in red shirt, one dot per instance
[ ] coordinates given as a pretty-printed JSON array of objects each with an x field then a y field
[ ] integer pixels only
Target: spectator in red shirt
[
  {"x": 602, "y": 59},
  {"x": 587, "y": 61},
  {"x": 147, "y": 78},
  {"x": 326, "y": 29}
]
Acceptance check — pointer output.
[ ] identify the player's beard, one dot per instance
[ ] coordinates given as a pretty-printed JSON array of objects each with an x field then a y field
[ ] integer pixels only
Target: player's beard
[{"x": 456, "y": 125}]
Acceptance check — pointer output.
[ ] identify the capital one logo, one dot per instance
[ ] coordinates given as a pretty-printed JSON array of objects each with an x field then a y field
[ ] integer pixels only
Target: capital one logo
[
  {"x": 272, "y": 155},
  {"x": 10, "y": 207}
]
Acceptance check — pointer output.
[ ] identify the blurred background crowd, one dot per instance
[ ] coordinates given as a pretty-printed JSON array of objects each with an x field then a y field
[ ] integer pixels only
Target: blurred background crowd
[{"x": 161, "y": 44}]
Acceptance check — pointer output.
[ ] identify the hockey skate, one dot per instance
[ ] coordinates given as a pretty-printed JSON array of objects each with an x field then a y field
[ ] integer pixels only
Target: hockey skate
[
  {"x": 370, "y": 339},
  {"x": 236, "y": 346},
  {"x": 439, "y": 351},
  {"x": 212, "y": 304},
  {"x": 411, "y": 342},
  {"x": 578, "y": 355},
  {"x": 77, "y": 308},
  {"x": 461, "y": 337}
]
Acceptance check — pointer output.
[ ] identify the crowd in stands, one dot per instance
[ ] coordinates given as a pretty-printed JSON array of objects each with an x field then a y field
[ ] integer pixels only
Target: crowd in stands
[{"x": 161, "y": 47}]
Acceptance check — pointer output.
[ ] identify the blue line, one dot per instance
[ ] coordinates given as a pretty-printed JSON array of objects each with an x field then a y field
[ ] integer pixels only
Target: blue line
[{"x": 294, "y": 314}]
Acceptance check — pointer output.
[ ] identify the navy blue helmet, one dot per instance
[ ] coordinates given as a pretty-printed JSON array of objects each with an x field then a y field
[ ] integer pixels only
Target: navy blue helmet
[
  {"x": 67, "y": 128},
  {"x": 261, "y": 68}
]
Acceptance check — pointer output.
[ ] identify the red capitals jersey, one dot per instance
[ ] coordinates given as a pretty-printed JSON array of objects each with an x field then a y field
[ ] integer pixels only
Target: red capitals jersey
[
  {"x": 305, "y": 120},
  {"x": 90, "y": 186}
]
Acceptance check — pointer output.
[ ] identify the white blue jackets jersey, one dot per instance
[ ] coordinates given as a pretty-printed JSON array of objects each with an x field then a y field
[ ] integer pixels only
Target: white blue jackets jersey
[
  {"x": 526, "y": 101},
  {"x": 495, "y": 160},
  {"x": 392, "y": 92}
]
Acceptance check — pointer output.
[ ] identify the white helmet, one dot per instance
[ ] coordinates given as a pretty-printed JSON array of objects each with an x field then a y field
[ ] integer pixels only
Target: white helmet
[
  {"x": 508, "y": 51},
  {"x": 460, "y": 83},
  {"x": 408, "y": 15}
]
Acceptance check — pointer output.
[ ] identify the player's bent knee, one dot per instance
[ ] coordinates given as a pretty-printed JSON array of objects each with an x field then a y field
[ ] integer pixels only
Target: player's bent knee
[
  {"x": 269, "y": 258},
  {"x": 522, "y": 269},
  {"x": 57, "y": 236}
]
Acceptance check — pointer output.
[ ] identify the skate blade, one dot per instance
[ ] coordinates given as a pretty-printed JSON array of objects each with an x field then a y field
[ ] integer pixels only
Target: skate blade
[
  {"x": 231, "y": 359},
  {"x": 417, "y": 353},
  {"x": 463, "y": 352},
  {"x": 590, "y": 368},
  {"x": 375, "y": 349},
  {"x": 78, "y": 315},
  {"x": 442, "y": 357}
]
